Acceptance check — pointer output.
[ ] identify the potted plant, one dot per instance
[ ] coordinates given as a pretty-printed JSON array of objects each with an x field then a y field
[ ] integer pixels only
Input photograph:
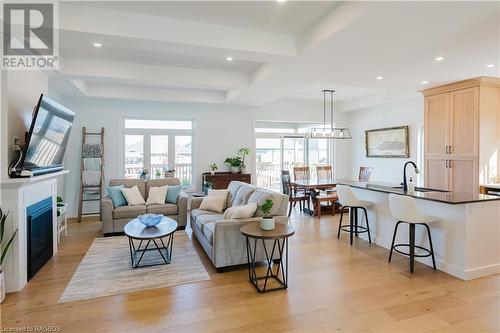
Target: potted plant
[
  {"x": 234, "y": 163},
  {"x": 213, "y": 168},
  {"x": 242, "y": 153},
  {"x": 60, "y": 203},
  {"x": 158, "y": 173},
  {"x": 267, "y": 222},
  {"x": 144, "y": 174},
  {"x": 3, "y": 250}
]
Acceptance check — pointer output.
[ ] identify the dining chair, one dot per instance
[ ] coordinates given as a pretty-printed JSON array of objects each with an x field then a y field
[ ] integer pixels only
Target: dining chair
[
  {"x": 300, "y": 173},
  {"x": 365, "y": 173},
  {"x": 317, "y": 197},
  {"x": 293, "y": 196},
  {"x": 324, "y": 172}
]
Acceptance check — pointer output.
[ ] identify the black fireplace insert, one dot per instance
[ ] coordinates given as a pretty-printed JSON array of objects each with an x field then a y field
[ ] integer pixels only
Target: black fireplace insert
[{"x": 40, "y": 235}]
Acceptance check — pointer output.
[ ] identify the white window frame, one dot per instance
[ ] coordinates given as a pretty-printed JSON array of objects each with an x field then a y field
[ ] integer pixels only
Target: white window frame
[
  {"x": 147, "y": 133},
  {"x": 282, "y": 136}
]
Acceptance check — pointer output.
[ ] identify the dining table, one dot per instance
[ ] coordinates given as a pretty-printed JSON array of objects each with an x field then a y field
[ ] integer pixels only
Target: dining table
[{"x": 314, "y": 183}]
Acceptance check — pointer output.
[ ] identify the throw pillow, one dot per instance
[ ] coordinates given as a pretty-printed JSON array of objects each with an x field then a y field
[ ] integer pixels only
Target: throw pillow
[
  {"x": 116, "y": 195},
  {"x": 213, "y": 204},
  {"x": 219, "y": 194},
  {"x": 245, "y": 211},
  {"x": 133, "y": 196},
  {"x": 157, "y": 195},
  {"x": 172, "y": 194},
  {"x": 229, "y": 212}
]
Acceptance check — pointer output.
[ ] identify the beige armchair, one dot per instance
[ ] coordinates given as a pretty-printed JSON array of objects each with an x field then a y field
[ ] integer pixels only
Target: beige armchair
[{"x": 115, "y": 218}]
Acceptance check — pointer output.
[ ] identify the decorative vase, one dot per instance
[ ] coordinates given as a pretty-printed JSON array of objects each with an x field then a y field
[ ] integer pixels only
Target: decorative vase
[
  {"x": 234, "y": 169},
  {"x": 267, "y": 223},
  {"x": 2, "y": 286},
  {"x": 212, "y": 173},
  {"x": 243, "y": 169}
]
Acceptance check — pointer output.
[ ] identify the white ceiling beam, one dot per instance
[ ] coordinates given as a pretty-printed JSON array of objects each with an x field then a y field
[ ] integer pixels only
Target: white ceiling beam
[
  {"x": 153, "y": 75},
  {"x": 182, "y": 33}
]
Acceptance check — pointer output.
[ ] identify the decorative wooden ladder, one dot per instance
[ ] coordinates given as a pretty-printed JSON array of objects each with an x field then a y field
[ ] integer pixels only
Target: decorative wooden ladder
[{"x": 84, "y": 188}]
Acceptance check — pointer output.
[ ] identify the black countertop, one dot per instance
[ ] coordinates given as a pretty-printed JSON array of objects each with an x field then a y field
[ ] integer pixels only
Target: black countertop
[{"x": 452, "y": 198}]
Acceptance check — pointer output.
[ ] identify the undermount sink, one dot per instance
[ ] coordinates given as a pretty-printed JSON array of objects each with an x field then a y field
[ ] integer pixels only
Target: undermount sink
[{"x": 426, "y": 189}]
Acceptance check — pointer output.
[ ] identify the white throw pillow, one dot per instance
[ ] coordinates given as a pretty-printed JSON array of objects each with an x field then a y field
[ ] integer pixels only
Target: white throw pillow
[
  {"x": 219, "y": 194},
  {"x": 133, "y": 196},
  {"x": 213, "y": 204},
  {"x": 245, "y": 211},
  {"x": 229, "y": 212},
  {"x": 157, "y": 195}
]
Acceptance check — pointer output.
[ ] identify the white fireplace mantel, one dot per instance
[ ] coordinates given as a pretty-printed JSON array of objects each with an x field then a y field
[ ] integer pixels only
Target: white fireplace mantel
[{"x": 18, "y": 194}]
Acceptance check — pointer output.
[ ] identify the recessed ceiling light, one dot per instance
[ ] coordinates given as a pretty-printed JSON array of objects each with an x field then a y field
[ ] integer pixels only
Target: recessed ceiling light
[
  {"x": 425, "y": 82},
  {"x": 97, "y": 44},
  {"x": 380, "y": 78},
  {"x": 440, "y": 58},
  {"x": 229, "y": 59},
  {"x": 490, "y": 65}
]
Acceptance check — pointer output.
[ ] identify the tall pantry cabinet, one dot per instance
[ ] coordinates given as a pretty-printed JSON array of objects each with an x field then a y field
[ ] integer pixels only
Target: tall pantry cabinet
[{"x": 462, "y": 134}]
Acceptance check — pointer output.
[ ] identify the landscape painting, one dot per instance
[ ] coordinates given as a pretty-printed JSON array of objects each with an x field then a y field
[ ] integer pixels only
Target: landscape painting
[{"x": 387, "y": 142}]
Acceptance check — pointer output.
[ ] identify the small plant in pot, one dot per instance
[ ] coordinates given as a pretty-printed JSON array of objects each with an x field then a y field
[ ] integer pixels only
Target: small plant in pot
[
  {"x": 242, "y": 153},
  {"x": 267, "y": 222},
  {"x": 4, "y": 248},
  {"x": 213, "y": 168},
  {"x": 234, "y": 163}
]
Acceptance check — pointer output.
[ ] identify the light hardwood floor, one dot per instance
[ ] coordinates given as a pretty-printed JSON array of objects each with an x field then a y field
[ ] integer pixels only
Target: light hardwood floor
[{"x": 333, "y": 287}]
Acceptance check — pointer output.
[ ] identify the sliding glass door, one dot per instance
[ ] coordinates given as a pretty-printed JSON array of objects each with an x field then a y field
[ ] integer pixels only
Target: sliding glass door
[{"x": 281, "y": 146}]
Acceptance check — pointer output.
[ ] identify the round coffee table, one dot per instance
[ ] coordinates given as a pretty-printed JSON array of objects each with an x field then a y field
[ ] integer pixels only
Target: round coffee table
[
  {"x": 136, "y": 231},
  {"x": 280, "y": 237}
]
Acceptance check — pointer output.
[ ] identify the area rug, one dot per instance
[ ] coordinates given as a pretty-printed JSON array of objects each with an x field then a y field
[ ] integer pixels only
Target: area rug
[{"x": 106, "y": 270}]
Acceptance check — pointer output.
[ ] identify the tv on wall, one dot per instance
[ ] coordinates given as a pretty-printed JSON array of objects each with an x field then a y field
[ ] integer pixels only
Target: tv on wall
[{"x": 46, "y": 140}]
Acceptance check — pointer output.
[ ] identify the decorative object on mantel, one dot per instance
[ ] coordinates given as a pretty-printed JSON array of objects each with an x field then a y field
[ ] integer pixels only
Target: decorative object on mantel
[
  {"x": 391, "y": 142},
  {"x": 267, "y": 222},
  {"x": 244, "y": 151},
  {"x": 213, "y": 168},
  {"x": 234, "y": 164},
  {"x": 326, "y": 132},
  {"x": 3, "y": 250}
]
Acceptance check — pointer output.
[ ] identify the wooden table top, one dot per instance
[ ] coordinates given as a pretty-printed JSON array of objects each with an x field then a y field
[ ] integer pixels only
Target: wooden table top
[
  {"x": 253, "y": 230},
  {"x": 135, "y": 229},
  {"x": 315, "y": 183}
]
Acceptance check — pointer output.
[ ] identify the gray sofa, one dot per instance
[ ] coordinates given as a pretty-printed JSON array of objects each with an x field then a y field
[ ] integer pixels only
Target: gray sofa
[
  {"x": 114, "y": 219},
  {"x": 221, "y": 239}
]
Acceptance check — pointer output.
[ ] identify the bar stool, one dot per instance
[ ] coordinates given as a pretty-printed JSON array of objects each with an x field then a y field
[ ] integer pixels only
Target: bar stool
[
  {"x": 348, "y": 200},
  {"x": 405, "y": 210}
]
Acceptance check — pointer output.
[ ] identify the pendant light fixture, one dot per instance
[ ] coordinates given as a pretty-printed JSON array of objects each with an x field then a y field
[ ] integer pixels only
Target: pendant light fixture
[{"x": 328, "y": 132}]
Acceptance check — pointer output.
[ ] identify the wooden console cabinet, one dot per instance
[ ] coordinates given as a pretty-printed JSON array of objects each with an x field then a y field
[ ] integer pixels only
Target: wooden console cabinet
[
  {"x": 221, "y": 180},
  {"x": 462, "y": 134}
]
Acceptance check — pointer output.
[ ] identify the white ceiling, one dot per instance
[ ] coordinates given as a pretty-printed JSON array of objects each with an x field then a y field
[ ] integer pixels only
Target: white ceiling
[
  {"x": 176, "y": 51},
  {"x": 269, "y": 16}
]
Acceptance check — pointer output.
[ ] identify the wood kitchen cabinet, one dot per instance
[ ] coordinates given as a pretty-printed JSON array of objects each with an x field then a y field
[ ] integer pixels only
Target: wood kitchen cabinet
[{"x": 462, "y": 134}]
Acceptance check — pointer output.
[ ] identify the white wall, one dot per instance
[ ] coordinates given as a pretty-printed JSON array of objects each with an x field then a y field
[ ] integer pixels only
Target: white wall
[
  {"x": 220, "y": 130},
  {"x": 398, "y": 113}
]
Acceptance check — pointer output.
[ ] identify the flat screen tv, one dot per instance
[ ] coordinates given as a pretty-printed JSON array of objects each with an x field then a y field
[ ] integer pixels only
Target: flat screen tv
[{"x": 46, "y": 140}]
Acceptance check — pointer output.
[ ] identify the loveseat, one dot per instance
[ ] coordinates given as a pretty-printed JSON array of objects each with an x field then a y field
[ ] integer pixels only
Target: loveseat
[
  {"x": 115, "y": 218},
  {"x": 221, "y": 239}
]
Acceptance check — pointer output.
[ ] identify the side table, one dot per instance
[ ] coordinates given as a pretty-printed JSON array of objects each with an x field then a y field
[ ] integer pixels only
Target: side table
[{"x": 278, "y": 271}]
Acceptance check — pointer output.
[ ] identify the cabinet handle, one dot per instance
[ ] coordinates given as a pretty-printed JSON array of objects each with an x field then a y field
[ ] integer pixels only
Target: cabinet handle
[
  {"x": 446, "y": 163},
  {"x": 450, "y": 150},
  {"x": 446, "y": 151},
  {"x": 450, "y": 164}
]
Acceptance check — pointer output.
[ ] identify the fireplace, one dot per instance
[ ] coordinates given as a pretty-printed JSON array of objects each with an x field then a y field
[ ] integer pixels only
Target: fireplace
[{"x": 40, "y": 235}]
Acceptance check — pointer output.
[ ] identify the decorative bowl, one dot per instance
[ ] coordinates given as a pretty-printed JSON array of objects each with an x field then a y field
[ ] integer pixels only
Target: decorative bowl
[{"x": 150, "y": 220}]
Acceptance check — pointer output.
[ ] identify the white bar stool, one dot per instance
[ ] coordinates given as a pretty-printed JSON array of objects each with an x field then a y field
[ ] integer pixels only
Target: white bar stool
[
  {"x": 405, "y": 210},
  {"x": 348, "y": 199}
]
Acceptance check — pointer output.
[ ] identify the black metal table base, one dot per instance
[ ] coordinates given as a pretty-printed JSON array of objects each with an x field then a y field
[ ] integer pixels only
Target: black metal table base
[
  {"x": 165, "y": 251},
  {"x": 278, "y": 272}
]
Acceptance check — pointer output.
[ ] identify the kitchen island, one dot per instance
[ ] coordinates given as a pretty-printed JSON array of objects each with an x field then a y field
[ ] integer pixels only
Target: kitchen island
[{"x": 466, "y": 239}]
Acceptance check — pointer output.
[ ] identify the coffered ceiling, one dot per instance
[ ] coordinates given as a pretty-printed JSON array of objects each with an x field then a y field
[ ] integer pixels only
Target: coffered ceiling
[{"x": 178, "y": 51}]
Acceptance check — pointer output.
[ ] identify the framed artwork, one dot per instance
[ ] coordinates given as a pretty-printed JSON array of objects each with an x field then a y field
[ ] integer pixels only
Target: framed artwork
[{"x": 389, "y": 142}]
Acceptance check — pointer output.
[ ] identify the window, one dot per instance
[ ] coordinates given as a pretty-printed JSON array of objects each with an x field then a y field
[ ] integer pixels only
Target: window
[
  {"x": 158, "y": 146},
  {"x": 281, "y": 146}
]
